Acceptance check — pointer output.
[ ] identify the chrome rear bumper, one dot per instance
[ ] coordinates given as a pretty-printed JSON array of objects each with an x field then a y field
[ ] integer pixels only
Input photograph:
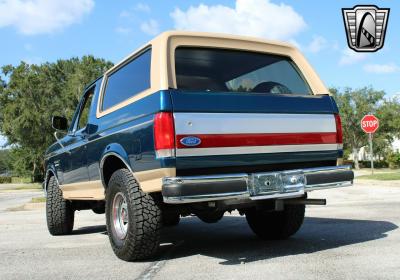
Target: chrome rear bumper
[{"x": 255, "y": 186}]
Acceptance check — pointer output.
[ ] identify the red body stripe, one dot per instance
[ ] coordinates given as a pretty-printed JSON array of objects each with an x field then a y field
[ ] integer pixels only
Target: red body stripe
[{"x": 267, "y": 139}]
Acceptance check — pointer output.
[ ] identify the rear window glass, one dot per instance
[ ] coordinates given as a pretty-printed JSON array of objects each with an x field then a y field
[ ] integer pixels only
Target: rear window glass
[
  {"x": 210, "y": 69},
  {"x": 132, "y": 78}
]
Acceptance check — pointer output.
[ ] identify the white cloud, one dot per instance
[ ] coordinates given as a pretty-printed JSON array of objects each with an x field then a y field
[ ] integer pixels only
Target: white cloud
[
  {"x": 123, "y": 30},
  {"x": 381, "y": 68},
  {"x": 351, "y": 57},
  {"x": 42, "y": 16},
  {"x": 140, "y": 7},
  {"x": 150, "y": 27},
  {"x": 131, "y": 12},
  {"x": 317, "y": 44},
  {"x": 259, "y": 18}
]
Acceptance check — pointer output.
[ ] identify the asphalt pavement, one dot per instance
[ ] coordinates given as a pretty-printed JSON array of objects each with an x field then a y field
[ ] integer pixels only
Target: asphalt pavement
[{"x": 356, "y": 236}]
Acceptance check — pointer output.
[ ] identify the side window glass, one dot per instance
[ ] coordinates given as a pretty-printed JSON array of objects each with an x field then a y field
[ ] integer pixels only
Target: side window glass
[
  {"x": 127, "y": 81},
  {"x": 85, "y": 109}
]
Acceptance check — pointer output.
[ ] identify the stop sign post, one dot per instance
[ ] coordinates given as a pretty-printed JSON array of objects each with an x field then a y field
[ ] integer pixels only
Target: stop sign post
[{"x": 370, "y": 124}]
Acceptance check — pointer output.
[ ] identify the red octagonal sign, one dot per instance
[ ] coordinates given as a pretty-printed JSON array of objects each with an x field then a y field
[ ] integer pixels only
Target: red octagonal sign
[{"x": 369, "y": 123}]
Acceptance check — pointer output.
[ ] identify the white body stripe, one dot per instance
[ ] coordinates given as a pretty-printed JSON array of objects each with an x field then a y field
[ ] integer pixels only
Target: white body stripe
[
  {"x": 189, "y": 152},
  {"x": 236, "y": 123}
]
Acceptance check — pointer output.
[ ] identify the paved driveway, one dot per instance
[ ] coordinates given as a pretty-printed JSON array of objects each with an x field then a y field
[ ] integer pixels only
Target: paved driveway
[{"x": 356, "y": 236}]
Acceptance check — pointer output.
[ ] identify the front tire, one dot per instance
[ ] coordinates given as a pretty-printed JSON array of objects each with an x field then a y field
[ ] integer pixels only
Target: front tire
[
  {"x": 59, "y": 212},
  {"x": 276, "y": 225},
  {"x": 133, "y": 218}
]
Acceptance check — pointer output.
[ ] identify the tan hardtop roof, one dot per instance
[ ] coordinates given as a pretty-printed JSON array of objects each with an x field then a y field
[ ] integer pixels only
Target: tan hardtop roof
[
  {"x": 165, "y": 36},
  {"x": 163, "y": 59},
  {"x": 162, "y": 40}
]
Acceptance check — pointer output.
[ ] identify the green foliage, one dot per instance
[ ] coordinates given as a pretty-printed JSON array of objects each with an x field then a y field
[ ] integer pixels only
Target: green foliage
[
  {"x": 377, "y": 164},
  {"x": 31, "y": 96},
  {"x": 367, "y": 163},
  {"x": 21, "y": 180},
  {"x": 23, "y": 159},
  {"x": 353, "y": 105},
  {"x": 394, "y": 160},
  {"x": 5, "y": 179},
  {"x": 5, "y": 161}
]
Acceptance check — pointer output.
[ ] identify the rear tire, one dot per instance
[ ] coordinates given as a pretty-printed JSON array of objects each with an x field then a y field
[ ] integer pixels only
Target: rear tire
[
  {"x": 276, "y": 225},
  {"x": 133, "y": 218},
  {"x": 59, "y": 212}
]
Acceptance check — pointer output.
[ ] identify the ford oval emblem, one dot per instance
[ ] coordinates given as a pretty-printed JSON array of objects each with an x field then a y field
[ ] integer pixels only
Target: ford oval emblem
[{"x": 190, "y": 141}]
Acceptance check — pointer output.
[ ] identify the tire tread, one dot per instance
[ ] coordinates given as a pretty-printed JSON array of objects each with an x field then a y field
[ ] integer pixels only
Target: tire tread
[
  {"x": 143, "y": 237},
  {"x": 59, "y": 212}
]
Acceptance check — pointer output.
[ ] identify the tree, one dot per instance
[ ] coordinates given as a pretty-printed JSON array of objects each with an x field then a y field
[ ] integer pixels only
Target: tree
[
  {"x": 389, "y": 127},
  {"x": 5, "y": 161},
  {"x": 353, "y": 105},
  {"x": 34, "y": 93}
]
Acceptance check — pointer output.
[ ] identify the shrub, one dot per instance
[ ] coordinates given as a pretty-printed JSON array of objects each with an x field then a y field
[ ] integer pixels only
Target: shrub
[
  {"x": 394, "y": 160},
  {"x": 377, "y": 164},
  {"x": 5, "y": 179},
  {"x": 367, "y": 163}
]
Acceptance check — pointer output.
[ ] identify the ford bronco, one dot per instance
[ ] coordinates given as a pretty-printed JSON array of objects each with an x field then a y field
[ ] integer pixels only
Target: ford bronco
[{"x": 196, "y": 124}]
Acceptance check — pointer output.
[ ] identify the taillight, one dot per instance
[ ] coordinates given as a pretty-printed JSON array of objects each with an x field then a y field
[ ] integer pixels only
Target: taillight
[
  {"x": 164, "y": 134},
  {"x": 339, "y": 131}
]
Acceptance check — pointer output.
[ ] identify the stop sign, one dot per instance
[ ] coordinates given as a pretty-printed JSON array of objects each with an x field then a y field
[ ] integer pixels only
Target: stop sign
[{"x": 369, "y": 123}]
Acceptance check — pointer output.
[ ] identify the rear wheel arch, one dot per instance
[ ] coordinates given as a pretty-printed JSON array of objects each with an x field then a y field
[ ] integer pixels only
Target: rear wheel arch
[{"x": 110, "y": 163}]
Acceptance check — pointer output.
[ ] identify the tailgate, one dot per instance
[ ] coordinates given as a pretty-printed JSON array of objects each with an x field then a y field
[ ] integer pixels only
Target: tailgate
[{"x": 233, "y": 132}]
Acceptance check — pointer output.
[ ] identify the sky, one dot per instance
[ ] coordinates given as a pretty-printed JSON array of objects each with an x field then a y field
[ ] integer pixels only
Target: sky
[{"x": 37, "y": 31}]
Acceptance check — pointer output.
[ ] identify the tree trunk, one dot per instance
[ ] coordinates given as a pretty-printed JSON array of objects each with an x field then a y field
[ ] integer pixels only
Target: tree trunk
[
  {"x": 355, "y": 158},
  {"x": 33, "y": 172}
]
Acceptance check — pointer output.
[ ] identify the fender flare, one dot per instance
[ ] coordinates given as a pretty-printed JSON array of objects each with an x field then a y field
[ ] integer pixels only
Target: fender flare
[
  {"x": 118, "y": 151},
  {"x": 50, "y": 171}
]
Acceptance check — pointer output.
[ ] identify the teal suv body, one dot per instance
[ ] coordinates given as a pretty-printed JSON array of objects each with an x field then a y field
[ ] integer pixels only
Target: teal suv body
[{"x": 196, "y": 123}]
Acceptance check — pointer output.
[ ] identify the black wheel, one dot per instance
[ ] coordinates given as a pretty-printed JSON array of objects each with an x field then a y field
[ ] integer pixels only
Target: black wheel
[
  {"x": 133, "y": 218},
  {"x": 276, "y": 225},
  {"x": 210, "y": 217},
  {"x": 59, "y": 212},
  {"x": 170, "y": 219}
]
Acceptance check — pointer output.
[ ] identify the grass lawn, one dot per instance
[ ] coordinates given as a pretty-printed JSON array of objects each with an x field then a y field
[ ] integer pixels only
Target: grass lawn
[
  {"x": 19, "y": 180},
  {"x": 394, "y": 175},
  {"x": 38, "y": 199},
  {"x": 28, "y": 187}
]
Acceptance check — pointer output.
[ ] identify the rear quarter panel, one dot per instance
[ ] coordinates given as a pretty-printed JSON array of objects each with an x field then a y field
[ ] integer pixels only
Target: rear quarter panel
[{"x": 128, "y": 132}]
